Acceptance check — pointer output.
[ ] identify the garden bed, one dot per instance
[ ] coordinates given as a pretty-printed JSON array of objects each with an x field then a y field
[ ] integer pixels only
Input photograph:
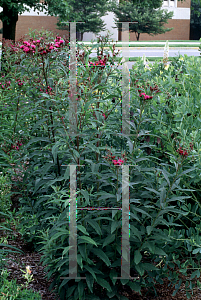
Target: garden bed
[{"x": 125, "y": 147}]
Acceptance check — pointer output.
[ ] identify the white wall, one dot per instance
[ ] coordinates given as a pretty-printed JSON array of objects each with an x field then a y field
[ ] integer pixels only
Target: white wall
[{"x": 109, "y": 21}]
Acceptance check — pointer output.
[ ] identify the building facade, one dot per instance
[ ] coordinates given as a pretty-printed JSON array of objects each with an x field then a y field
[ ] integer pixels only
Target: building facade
[{"x": 180, "y": 22}]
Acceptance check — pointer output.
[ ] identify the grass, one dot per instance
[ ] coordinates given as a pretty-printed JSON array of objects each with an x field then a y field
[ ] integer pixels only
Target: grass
[
  {"x": 152, "y": 43},
  {"x": 153, "y": 58},
  {"x": 118, "y": 45},
  {"x": 155, "y": 43}
]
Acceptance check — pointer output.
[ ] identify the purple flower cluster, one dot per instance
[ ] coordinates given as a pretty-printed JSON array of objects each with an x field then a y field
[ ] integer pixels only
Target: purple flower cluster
[{"x": 40, "y": 47}]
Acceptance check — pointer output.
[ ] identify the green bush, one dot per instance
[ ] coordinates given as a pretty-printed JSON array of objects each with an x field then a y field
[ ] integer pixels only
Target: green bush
[
  {"x": 5, "y": 189},
  {"x": 162, "y": 151}
]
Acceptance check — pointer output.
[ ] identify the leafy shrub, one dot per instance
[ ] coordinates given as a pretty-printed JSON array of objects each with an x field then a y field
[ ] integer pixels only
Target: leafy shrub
[
  {"x": 5, "y": 189},
  {"x": 162, "y": 153}
]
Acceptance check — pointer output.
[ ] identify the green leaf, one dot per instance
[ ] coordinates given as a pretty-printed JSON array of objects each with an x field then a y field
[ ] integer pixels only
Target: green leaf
[
  {"x": 86, "y": 239},
  {"x": 58, "y": 234},
  {"x": 109, "y": 239},
  {"x": 12, "y": 247},
  {"x": 140, "y": 269},
  {"x": 95, "y": 225},
  {"x": 195, "y": 251},
  {"x": 70, "y": 290},
  {"x": 86, "y": 195},
  {"x": 135, "y": 286},
  {"x": 100, "y": 254},
  {"x": 149, "y": 229},
  {"x": 195, "y": 273},
  {"x": 90, "y": 281},
  {"x": 114, "y": 226},
  {"x": 46, "y": 168},
  {"x": 165, "y": 174},
  {"x": 142, "y": 211},
  {"x": 82, "y": 250},
  {"x": 55, "y": 151},
  {"x": 112, "y": 275},
  {"x": 79, "y": 261},
  {"x": 83, "y": 229},
  {"x": 137, "y": 257},
  {"x": 37, "y": 139},
  {"x": 38, "y": 123},
  {"x": 162, "y": 196},
  {"x": 76, "y": 153},
  {"x": 113, "y": 292},
  {"x": 159, "y": 251},
  {"x": 91, "y": 271},
  {"x": 135, "y": 232},
  {"x": 104, "y": 284},
  {"x": 66, "y": 250},
  {"x": 152, "y": 190},
  {"x": 187, "y": 171},
  {"x": 149, "y": 267},
  {"x": 81, "y": 286},
  {"x": 124, "y": 281}
]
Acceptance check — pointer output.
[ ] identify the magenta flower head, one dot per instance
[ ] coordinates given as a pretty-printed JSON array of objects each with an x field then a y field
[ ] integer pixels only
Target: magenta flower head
[
  {"x": 38, "y": 41},
  {"x": 33, "y": 46},
  {"x": 25, "y": 42},
  {"x": 120, "y": 161},
  {"x": 51, "y": 48},
  {"x": 57, "y": 45},
  {"x": 146, "y": 97},
  {"x": 26, "y": 49},
  {"x": 115, "y": 162},
  {"x": 61, "y": 41},
  {"x": 22, "y": 46}
]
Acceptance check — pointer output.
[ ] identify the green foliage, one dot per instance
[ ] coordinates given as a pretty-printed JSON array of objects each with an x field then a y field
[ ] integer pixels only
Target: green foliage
[
  {"x": 9, "y": 290},
  {"x": 149, "y": 19},
  {"x": 195, "y": 20},
  {"x": 200, "y": 46},
  {"x": 4, "y": 247},
  {"x": 88, "y": 12},
  {"x": 163, "y": 154},
  {"x": 5, "y": 189}
]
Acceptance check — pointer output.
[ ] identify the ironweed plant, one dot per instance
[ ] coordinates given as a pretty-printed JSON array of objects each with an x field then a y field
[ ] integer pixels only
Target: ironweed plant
[{"x": 162, "y": 152}]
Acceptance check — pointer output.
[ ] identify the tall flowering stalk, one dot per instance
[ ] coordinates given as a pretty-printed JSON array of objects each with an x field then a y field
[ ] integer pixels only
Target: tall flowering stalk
[
  {"x": 144, "y": 60},
  {"x": 166, "y": 55}
]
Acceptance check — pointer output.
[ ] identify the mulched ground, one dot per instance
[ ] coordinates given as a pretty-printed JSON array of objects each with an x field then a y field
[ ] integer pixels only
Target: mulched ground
[{"x": 41, "y": 284}]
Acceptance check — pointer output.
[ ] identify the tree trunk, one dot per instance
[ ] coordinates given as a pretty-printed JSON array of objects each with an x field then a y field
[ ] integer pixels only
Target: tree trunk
[
  {"x": 9, "y": 28},
  {"x": 9, "y": 25},
  {"x": 79, "y": 36},
  {"x": 195, "y": 33},
  {"x": 138, "y": 36}
]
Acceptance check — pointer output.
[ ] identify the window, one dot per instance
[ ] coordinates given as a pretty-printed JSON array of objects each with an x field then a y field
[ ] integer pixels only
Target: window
[{"x": 170, "y": 3}]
